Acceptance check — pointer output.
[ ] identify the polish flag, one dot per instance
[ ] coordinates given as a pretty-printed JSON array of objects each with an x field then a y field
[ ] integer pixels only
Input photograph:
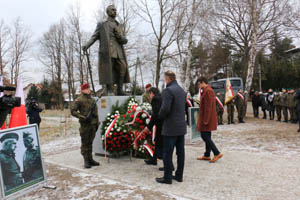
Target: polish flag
[
  {"x": 18, "y": 114},
  {"x": 1, "y": 94},
  {"x": 229, "y": 94}
]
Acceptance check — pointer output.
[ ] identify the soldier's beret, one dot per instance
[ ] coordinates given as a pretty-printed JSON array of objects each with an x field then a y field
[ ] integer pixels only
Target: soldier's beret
[
  {"x": 9, "y": 136},
  {"x": 148, "y": 85},
  {"x": 27, "y": 134},
  {"x": 85, "y": 86}
]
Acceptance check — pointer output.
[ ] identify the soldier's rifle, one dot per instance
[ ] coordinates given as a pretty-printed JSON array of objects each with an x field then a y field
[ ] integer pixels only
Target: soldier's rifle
[
  {"x": 90, "y": 113},
  {"x": 90, "y": 69}
]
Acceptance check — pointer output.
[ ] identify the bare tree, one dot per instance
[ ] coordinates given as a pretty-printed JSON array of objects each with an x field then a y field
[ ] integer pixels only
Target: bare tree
[
  {"x": 4, "y": 47},
  {"x": 20, "y": 46},
  {"x": 51, "y": 56},
  {"x": 249, "y": 25},
  {"x": 163, "y": 27},
  {"x": 73, "y": 20}
]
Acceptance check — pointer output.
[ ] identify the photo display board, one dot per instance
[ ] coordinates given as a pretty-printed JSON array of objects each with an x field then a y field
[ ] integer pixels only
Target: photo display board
[{"x": 21, "y": 163}]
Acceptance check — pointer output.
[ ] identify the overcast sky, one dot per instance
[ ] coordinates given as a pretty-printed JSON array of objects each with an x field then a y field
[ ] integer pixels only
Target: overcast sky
[{"x": 38, "y": 15}]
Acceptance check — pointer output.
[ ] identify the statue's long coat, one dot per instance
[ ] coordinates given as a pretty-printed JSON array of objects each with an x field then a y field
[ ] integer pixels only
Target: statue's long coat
[{"x": 106, "y": 75}]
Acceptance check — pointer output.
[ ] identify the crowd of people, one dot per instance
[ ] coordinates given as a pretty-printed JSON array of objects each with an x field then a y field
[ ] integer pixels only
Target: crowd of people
[{"x": 285, "y": 104}]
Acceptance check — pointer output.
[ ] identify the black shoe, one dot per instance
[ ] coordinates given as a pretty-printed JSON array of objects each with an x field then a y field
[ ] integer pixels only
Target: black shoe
[
  {"x": 87, "y": 164},
  {"x": 163, "y": 169},
  {"x": 228, "y": 123},
  {"x": 299, "y": 130},
  {"x": 163, "y": 180},
  {"x": 93, "y": 162},
  {"x": 279, "y": 120},
  {"x": 286, "y": 121},
  {"x": 242, "y": 121},
  {"x": 177, "y": 179},
  {"x": 150, "y": 162}
]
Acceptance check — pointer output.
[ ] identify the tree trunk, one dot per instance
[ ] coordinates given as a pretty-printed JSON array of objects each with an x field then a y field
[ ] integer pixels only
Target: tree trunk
[{"x": 252, "y": 53}]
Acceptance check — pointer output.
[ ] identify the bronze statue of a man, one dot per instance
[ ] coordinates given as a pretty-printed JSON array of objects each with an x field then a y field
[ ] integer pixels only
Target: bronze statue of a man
[{"x": 113, "y": 67}]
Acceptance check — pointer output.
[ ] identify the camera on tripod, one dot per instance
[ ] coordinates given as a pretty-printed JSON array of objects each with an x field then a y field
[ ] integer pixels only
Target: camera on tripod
[{"x": 9, "y": 101}]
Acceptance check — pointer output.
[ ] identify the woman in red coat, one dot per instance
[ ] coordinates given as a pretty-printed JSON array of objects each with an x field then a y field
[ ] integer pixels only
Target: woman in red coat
[{"x": 207, "y": 120}]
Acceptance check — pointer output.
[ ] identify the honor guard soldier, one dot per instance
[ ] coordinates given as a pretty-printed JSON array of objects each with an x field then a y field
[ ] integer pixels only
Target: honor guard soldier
[
  {"x": 12, "y": 176},
  {"x": 240, "y": 105},
  {"x": 284, "y": 105},
  {"x": 85, "y": 109},
  {"x": 220, "y": 107},
  {"x": 277, "y": 105}
]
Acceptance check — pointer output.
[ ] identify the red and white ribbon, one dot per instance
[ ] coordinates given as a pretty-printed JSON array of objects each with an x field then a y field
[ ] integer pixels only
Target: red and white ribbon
[
  {"x": 241, "y": 96},
  {"x": 220, "y": 103},
  {"x": 135, "y": 116},
  {"x": 109, "y": 129},
  {"x": 148, "y": 148},
  {"x": 189, "y": 102}
]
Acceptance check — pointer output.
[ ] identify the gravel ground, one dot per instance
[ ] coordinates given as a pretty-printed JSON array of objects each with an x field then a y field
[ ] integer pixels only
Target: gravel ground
[{"x": 260, "y": 162}]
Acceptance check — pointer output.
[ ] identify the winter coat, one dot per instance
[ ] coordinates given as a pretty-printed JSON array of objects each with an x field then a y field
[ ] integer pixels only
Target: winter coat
[
  {"x": 156, "y": 104},
  {"x": 172, "y": 110},
  {"x": 263, "y": 102},
  {"x": 255, "y": 101},
  {"x": 33, "y": 112},
  {"x": 208, "y": 119}
]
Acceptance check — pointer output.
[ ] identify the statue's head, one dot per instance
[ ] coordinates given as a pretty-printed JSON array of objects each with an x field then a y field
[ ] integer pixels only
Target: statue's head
[{"x": 111, "y": 11}]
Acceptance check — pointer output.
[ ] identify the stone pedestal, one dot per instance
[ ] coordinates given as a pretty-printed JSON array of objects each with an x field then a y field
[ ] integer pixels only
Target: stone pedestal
[{"x": 104, "y": 106}]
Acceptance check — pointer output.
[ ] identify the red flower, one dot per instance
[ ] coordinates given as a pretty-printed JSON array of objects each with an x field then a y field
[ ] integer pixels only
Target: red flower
[
  {"x": 121, "y": 133},
  {"x": 126, "y": 136},
  {"x": 132, "y": 116},
  {"x": 142, "y": 127},
  {"x": 129, "y": 111},
  {"x": 138, "y": 119},
  {"x": 124, "y": 116},
  {"x": 110, "y": 149},
  {"x": 115, "y": 139},
  {"x": 115, "y": 133}
]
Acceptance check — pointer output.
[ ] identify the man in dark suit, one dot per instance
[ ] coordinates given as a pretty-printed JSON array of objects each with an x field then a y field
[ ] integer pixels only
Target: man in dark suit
[
  {"x": 156, "y": 100},
  {"x": 113, "y": 67},
  {"x": 172, "y": 111}
]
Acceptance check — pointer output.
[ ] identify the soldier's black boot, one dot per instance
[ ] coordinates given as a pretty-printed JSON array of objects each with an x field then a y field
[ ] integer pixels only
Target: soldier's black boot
[
  {"x": 93, "y": 162},
  {"x": 87, "y": 163}
]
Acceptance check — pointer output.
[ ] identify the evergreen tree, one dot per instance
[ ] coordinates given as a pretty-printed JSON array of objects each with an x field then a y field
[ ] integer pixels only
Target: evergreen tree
[{"x": 33, "y": 93}]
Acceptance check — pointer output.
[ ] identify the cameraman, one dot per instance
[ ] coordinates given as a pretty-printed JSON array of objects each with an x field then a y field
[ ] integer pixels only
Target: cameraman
[
  {"x": 33, "y": 111},
  {"x": 7, "y": 102}
]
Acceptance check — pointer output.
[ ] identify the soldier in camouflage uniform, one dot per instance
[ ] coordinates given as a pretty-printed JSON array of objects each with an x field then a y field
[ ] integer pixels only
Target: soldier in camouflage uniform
[
  {"x": 230, "y": 111},
  {"x": 220, "y": 108},
  {"x": 31, "y": 159},
  {"x": 88, "y": 127},
  {"x": 240, "y": 105},
  {"x": 277, "y": 105},
  {"x": 283, "y": 104},
  {"x": 291, "y": 102},
  {"x": 12, "y": 176}
]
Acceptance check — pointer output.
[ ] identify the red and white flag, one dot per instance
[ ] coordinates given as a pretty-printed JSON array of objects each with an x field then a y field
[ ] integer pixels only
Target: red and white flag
[
  {"x": 229, "y": 95},
  {"x": 220, "y": 103},
  {"x": 2, "y": 126},
  {"x": 18, "y": 114},
  {"x": 189, "y": 102},
  {"x": 241, "y": 96}
]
